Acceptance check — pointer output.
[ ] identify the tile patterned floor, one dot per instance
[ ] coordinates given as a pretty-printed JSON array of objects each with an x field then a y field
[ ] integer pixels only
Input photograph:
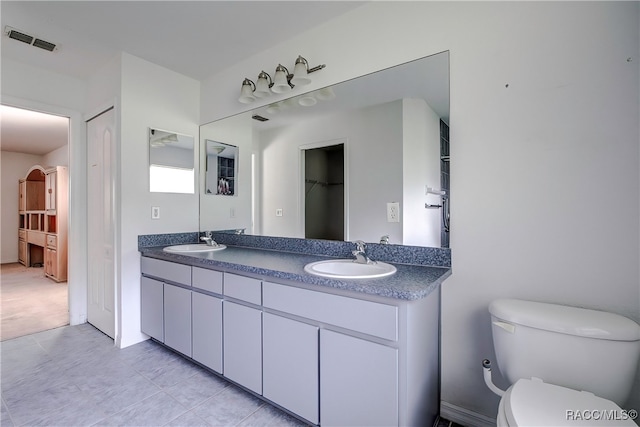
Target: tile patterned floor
[{"x": 74, "y": 376}]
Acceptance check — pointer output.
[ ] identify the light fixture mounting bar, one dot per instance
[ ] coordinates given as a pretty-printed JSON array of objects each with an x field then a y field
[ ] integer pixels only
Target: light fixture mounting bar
[{"x": 316, "y": 68}]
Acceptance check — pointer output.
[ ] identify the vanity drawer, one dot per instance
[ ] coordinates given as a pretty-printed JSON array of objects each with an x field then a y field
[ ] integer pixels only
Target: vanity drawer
[
  {"x": 368, "y": 317},
  {"x": 243, "y": 288},
  {"x": 170, "y": 271},
  {"x": 207, "y": 280},
  {"x": 52, "y": 241}
]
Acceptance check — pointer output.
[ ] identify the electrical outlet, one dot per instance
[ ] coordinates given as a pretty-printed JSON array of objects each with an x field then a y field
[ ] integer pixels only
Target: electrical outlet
[
  {"x": 155, "y": 212},
  {"x": 279, "y": 212},
  {"x": 393, "y": 212}
]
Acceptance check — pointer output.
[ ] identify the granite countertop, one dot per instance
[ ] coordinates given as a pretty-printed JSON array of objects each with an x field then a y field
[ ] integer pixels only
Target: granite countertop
[{"x": 410, "y": 282}]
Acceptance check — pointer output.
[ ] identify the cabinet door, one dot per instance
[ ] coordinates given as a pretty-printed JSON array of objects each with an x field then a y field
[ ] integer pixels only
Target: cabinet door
[
  {"x": 22, "y": 251},
  {"x": 22, "y": 201},
  {"x": 152, "y": 308},
  {"x": 51, "y": 262},
  {"x": 177, "y": 318},
  {"x": 290, "y": 365},
  {"x": 243, "y": 345},
  {"x": 206, "y": 317},
  {"x": 50, "y": 191},
  {"x": 358, "y": 382}
]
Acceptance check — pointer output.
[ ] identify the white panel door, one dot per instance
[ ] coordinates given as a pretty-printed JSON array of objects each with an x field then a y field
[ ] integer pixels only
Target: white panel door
[{"x": 101, "y": 156}]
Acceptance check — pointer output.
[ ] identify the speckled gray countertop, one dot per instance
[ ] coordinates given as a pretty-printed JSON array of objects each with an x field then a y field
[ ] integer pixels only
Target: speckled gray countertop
[{"x": 410, "y": 282}]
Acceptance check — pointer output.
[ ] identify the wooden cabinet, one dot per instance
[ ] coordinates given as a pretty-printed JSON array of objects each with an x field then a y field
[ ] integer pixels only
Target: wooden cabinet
[
  {"x": 42, "y": 210},
  {"x": 290, "y": 365}
]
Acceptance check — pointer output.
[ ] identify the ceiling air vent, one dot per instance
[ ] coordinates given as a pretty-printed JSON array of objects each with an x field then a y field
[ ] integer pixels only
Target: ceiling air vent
[
  {"x": 31, "y": 40},
  {"x": 259, "y": 118}
]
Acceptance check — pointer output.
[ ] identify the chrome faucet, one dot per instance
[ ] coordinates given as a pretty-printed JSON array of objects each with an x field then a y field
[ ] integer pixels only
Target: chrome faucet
[
  {"x": 208, "y": 239},
  {"x": 360, "y": 254},
  {"x": 384, "y": 240}
]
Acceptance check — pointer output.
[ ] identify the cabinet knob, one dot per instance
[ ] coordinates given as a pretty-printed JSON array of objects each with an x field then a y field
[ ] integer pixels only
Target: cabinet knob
[{"x": 50, "y": 191}]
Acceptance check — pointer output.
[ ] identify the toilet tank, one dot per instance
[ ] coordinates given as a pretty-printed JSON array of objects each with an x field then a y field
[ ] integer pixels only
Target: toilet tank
[{"x": 573, "y": 347}]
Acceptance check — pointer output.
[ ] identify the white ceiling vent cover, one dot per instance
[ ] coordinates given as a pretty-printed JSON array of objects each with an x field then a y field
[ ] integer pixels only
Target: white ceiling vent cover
[{"x": 29, "y": 39}]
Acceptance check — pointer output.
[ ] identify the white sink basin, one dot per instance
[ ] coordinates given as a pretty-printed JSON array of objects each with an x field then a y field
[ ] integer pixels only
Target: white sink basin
[
  {"x": 193, "y": 248},
  {"x": 349, "y": 269}
]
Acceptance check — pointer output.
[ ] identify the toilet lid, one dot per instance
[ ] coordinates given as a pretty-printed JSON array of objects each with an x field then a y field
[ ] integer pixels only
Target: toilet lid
[{"x": 532, "y": 402}]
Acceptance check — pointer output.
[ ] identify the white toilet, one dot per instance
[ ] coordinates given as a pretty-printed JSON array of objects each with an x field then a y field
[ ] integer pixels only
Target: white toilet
[{"x": 568, "y": 366}]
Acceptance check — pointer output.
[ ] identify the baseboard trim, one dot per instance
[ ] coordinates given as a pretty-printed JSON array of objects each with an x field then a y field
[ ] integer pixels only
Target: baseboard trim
[{"x": 464, "y": 416}]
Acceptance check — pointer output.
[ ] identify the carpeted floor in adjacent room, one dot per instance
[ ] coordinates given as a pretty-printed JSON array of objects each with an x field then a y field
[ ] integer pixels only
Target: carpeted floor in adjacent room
[{"x": 29, "y": 302}]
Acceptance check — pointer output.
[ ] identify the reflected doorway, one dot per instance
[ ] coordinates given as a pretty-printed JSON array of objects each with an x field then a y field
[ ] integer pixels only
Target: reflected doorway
[{"x": 324, "y": 172}]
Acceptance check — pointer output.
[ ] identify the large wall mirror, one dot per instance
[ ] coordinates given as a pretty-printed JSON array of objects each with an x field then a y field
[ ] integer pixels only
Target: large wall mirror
[
  {"x": 359, "y": 156},
  {"x": 171, "y": 164}
]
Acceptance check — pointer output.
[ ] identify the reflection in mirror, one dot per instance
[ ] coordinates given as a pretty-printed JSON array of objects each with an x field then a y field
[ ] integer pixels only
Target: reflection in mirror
[
  {"x": 221, "y": 168},
  {"x": 393, "y": 127},
  {"x": 171, "y": 165}
]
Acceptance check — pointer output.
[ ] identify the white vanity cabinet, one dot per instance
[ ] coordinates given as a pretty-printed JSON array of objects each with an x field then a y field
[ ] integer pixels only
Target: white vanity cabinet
[
  {"x": 331, "y": 357},
  {"x": 242, "y": 331},
  {"x": 290, "y": 365},
  {"x": 177, "y": 318},
  {"x": 359, "y": 381},
  {"x": 166, "y": 303},
  {"x": 152, "y": 308},
  {"x": 206, "y": 315}
]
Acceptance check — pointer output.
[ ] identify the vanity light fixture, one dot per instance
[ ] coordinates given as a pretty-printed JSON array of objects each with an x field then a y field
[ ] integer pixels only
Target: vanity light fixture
[
  {"x": 282, "y": 81},
  {"x": 246, "y": 92},
  {"x": 263, "y": 85}
]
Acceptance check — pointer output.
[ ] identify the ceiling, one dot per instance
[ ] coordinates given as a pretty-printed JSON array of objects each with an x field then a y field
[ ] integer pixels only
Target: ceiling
[{"x": 194, "y": 38}]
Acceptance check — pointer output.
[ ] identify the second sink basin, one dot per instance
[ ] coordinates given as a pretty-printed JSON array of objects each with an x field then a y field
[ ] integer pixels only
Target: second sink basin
[
  {"x": 193, "y": 248},
  {"x": 349, "y": 269}
]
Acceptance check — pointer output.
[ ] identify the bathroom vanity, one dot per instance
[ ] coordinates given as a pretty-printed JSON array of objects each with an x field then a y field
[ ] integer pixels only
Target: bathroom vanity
[{"x": 331, "y": 352}]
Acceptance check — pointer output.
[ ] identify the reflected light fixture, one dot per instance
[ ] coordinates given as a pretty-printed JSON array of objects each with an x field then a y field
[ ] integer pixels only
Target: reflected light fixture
[{"x": 282, "y": 81}]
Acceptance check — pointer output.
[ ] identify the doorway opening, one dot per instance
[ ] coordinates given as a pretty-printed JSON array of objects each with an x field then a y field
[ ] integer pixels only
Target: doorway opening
[
  {"x": 324, "y": 192},
  {"x": 35, "y": 156}
]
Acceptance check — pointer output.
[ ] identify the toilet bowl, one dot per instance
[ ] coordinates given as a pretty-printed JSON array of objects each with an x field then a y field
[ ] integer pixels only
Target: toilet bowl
[{"x": 532, "y": 402}]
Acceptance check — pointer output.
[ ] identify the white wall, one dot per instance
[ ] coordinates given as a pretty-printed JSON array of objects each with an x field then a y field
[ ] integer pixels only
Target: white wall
[
  {"x": 14, "y": 167},
  {"x": 58, "y": 157},
  {"x": 373, "y": 140},
  {"x": 151, "y": 97},
  {"x": 420, "y": 168},
  {"x": 545, "y": 179}
]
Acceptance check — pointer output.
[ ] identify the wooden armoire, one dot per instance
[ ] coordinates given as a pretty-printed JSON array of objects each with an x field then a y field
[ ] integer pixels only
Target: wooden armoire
[{"x": 43, "y": 210}]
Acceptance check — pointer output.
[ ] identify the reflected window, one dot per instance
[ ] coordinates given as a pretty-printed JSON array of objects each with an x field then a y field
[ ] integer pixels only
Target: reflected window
[
  {"x": 171, "y": 164},
  {"x": 166, "y": 179}
]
